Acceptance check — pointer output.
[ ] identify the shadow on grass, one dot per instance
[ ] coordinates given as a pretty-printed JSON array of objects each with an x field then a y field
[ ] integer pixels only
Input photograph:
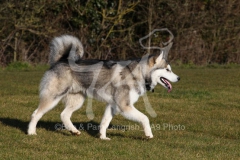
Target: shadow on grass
[{"x": 90, "y": 127}]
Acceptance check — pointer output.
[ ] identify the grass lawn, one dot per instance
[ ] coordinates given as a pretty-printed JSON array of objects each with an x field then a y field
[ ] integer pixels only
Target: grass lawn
[{"x": 199, "y": 119}]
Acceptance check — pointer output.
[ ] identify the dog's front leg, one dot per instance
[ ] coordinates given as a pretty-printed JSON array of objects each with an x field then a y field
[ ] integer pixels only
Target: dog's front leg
[
  {"x": 107, "y": 117},
  {"x": 131, "y": 113}
]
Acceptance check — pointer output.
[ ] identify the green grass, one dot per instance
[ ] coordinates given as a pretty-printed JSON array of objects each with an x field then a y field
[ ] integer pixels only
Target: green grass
[
  {"x": 199, "y": 119},
  {"x": 24, "y": 66}
]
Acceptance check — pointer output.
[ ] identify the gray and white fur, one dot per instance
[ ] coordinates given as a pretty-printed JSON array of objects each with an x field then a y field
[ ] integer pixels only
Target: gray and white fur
[{"x": 118, "y": 83}]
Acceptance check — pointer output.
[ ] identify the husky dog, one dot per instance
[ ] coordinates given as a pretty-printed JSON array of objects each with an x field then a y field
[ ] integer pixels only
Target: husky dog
[{"x": 118, "y": 83}]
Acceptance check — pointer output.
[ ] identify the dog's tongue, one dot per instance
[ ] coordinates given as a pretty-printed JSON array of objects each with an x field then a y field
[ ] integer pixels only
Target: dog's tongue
[
  {"x": 169, "y": 90},
  {"x": 169, "y": 86}
]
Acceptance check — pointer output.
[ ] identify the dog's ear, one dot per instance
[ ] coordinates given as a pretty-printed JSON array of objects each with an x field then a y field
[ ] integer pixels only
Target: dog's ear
[
  {"x": 159, "y": 58},
  {"x": 166, "y": 49},
  {"x": 155, "y": 59}
]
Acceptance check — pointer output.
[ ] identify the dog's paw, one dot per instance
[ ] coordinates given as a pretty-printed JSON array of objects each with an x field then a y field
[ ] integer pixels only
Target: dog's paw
[
  {"x": 32, "y": 133},
  {"x": 105, "y": 138},
  {"x": 149, "y": 137},
  {"x": 76, "y": 133}
]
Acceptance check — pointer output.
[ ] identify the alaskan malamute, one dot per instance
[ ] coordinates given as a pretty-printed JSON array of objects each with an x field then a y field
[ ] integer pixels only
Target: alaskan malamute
[{"x": 118, "y": 83}]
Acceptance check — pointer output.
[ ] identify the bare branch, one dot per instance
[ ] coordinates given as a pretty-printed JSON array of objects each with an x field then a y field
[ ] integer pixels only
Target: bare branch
[{"x": 151, "y": 33}]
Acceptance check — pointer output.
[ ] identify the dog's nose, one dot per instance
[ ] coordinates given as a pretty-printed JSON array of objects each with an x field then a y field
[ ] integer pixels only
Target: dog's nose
[{"x": 178, "y": 78}]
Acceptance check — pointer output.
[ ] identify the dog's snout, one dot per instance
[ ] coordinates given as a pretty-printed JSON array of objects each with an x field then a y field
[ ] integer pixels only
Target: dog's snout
[{"x": 178, "y": 78}]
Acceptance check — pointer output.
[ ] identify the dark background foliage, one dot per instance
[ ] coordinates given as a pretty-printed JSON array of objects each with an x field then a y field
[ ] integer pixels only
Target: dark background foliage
[{"x": 206, "y": 31}]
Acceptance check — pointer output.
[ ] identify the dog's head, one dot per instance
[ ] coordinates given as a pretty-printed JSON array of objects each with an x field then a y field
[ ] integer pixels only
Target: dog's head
[
  {"x": 161, "y": 72},
  {"x": 158, "y": 70}
]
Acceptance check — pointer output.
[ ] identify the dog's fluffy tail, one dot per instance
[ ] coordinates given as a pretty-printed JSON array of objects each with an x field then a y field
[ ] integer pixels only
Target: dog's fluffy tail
[{"x": 65, "y": 47}]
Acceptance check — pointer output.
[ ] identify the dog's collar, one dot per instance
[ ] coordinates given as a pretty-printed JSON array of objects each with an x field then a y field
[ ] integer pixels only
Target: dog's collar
[
  {"x": 148, "y": 85},
  {"x": 148, "y": 81}
]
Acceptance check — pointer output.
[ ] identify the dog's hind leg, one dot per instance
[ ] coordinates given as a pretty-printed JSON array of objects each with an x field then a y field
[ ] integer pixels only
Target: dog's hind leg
[
  {"x": 107, "y": 117},
  {"x": 73, "y": 102},
  {"x": 46, "y": 104}
]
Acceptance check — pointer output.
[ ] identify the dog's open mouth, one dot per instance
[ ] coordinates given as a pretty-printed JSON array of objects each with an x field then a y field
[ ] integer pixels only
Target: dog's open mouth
[{"x": 167, "y": 83}]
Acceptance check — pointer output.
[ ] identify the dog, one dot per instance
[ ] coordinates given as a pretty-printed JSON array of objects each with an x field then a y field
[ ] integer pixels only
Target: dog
[{"x": 118, "y": 83}]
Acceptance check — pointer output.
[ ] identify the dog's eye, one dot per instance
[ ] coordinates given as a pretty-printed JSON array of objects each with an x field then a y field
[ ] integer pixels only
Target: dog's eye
[{"x": 168, "y": 70}]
